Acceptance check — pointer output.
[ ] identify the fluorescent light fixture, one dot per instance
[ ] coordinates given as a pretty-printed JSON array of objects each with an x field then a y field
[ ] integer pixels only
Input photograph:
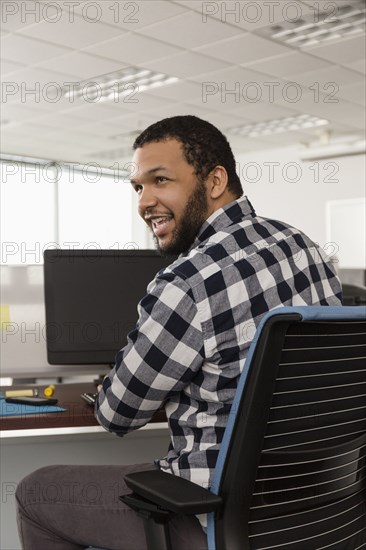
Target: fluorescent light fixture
[
  {"x": 278, "y": 126},
  {"x": 334, "y": 22},
  {"x": 124, "y": 82},
  {"x": 334, "y": 150}
]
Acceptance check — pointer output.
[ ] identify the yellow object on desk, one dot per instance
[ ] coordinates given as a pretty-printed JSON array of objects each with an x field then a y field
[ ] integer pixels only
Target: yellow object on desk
[
  {"x": 4, "y": 316},
  {"x": 49, "y": 391},
  {"x": 22, "y": 393}
]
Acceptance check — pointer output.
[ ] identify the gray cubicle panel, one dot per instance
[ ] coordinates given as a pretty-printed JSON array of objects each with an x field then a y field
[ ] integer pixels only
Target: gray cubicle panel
[{"x": 24, "y": 352}]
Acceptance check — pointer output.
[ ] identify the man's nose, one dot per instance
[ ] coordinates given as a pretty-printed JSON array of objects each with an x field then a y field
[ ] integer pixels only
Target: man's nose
[{"x": 147, "y": 199}]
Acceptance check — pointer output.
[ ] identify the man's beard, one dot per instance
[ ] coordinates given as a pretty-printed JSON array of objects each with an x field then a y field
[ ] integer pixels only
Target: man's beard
[{"x": 194, "y": 215}]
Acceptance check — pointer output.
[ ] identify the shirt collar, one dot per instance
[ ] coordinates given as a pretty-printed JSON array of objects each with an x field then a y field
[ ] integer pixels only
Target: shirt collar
[{"x": 231, "y": 213}]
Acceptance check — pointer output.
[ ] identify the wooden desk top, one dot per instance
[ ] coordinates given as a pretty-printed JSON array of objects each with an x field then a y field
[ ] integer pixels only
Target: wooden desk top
[{"x": 78, "y": 413}]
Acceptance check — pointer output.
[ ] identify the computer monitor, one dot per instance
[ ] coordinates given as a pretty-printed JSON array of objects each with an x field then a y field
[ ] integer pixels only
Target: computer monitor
[{"x": 91, "y": 299}]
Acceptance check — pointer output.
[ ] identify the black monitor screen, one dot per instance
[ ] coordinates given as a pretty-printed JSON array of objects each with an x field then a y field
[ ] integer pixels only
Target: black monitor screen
[{"x": 91, "y": 299}]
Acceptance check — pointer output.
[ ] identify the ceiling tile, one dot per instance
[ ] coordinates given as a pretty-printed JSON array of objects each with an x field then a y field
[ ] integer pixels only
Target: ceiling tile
[
  {"x": 259, "y": 112},
  {"x": 148, "y": 14},
  {"x": 226, "y": 120},
  {"x": 16, "y": 15},
  {"x": 242, "y": 145},
  {"x": 175, "y": 109},
  {"x": 340, "y": 111},
  {"x": 324, "y": 5},
  {"x": 40, "y": 102},
  {"x": 190, "y": 4},
  {"x": 223, "y": 92},
  {"x": 178, "y": 91},
  {"x": 291, "y": 138},
  {"x": 63, "y": 121},
  {"x": 353, "y": 92},
  {"x": 7, "y": 67},
  {"x": 219, "y": 101},
  {"x": 107, "y": 111},
  {"x": 244, "y": 49},
  {"x": 289, "y": 63},
  {"x": 130, "y": 16},
  {"x": 249, "y": 15},
  {"x": 92, "y": 111},
  {"x": 359, "y": 66},
  {"x": 230, "y": 75},
  {"x": 101, "y": 129},
  {"x": 341, "y": 52},
  {"x": 22, "y": 49},
  {"x": 124, "y": 15},
  {"x": 197, "y": 110},
  {"x": 27, "y": 128},
  {"x": 133, "y": 49},
  {"x": 200, "y": 32},
  {"x": 186, "y": 65},
  {"x": 132, "y": 121},
  {"x": 30, "y": 76},
  {"x": 343, "y": 129},
  {"x": 75, "y": 136},
  {"x": 82, "y": 65},
  {"x": 332, "y": 74},
  {"x": 80, "y": 32},
  {"x": 239, "y": 85},
  {"x": 12, "y": 144},
  {"x": 145, "y": 101},
  {"x": 15, "y": 112}
]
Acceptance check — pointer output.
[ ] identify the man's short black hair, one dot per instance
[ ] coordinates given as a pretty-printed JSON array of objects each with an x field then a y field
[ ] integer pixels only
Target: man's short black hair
[{"x": 204, "y": 146}]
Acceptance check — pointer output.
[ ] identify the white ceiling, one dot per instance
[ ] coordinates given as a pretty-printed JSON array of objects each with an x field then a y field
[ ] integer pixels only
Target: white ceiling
[{"x": 227, "y": 50}]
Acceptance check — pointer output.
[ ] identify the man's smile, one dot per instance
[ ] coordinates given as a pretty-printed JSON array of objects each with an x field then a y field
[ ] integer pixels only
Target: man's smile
[{"x": 159, "y": 224}]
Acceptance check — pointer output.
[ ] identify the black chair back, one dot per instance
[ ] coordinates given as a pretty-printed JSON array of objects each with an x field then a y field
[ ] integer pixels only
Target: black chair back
[{"x": 293, "y": 476}]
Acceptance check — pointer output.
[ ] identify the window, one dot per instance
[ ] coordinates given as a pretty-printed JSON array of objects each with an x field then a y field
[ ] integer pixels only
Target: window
[
  {"x": 95, "y": 211},
  {"x": 27, "y": 212},
  {"x": 49, "y": 205}
]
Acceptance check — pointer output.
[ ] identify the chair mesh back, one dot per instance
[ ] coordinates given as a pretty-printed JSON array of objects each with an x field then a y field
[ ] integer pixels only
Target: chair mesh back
[{"x": 310, "y": 487}]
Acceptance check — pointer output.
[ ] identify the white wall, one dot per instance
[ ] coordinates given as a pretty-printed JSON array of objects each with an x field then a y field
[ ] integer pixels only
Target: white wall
[{"x": 274, "y": 191}]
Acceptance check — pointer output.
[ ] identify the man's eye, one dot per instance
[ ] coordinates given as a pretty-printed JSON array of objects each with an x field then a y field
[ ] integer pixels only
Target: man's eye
[
  {"x": 161, "y": 179},
  {"x": 137, "y": 188}
]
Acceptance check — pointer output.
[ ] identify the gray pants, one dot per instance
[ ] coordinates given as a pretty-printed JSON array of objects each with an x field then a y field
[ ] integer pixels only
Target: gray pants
[{"x": 73, "y": 507}]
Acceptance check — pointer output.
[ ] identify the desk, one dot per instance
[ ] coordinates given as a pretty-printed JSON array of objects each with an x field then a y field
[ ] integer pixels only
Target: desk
[
  {"x": 78, "y": 414},
  {"x": 71, "y": 437}
]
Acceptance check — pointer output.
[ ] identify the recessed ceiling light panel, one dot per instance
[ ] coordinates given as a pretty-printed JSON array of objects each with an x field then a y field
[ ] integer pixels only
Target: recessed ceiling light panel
[
  {"x": 278, "y": 126},
  {"x": 112, "y": 86},
  {"x": 326, "y": 22}
]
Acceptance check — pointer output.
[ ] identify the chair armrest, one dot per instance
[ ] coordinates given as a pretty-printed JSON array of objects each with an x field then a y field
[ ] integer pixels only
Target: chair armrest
[{"x": 173, "y": 493}]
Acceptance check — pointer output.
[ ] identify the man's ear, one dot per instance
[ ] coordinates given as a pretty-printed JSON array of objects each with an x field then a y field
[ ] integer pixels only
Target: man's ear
[{"x": 217, "y": 182}]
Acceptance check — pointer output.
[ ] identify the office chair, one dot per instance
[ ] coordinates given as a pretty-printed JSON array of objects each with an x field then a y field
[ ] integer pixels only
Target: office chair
[{"x": 291, "y": 468}]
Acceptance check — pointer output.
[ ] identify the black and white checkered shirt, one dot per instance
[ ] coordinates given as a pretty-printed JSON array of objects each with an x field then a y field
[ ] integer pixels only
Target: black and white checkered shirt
[{"x": 195, "y": 326}]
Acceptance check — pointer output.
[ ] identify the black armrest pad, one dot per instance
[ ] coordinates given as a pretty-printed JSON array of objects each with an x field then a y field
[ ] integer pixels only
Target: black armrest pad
[{"x": 172, "y": 492}]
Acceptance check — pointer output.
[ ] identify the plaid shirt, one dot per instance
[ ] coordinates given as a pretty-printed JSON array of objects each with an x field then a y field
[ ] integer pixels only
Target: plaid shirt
[{"x": 195, "y": 326}]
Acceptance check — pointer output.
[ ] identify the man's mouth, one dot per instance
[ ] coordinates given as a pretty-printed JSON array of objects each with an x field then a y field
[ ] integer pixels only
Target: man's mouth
[{"x": 160, "y": 224}]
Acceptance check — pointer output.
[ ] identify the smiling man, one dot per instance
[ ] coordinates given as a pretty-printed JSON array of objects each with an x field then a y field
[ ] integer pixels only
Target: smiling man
[
  {"x": 189, "y": 346},
  {"x": 172, "y": 199}
]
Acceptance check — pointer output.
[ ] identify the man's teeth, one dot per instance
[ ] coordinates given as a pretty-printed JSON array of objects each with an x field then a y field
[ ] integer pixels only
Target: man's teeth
[{"x": 158, "y": 221}]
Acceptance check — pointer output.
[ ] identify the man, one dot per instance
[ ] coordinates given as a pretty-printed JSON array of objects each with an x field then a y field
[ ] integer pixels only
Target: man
[{"x": 195, "y": 326}]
